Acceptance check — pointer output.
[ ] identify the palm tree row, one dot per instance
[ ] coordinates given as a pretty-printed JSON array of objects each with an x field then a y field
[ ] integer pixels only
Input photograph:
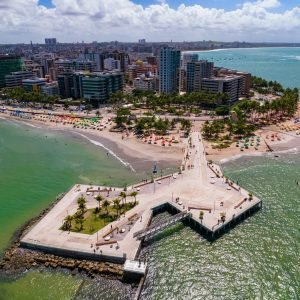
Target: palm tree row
[
  {"x": 285, "y": 106},
  {"x": 150, "y": 100}
]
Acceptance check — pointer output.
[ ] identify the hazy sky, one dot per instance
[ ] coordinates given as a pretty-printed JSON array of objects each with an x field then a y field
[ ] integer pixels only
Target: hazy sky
[{"x": 155, "y": 20}]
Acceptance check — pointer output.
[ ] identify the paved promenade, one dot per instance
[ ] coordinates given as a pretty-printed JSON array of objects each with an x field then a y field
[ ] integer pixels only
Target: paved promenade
[{"x": 199, "y": 188}]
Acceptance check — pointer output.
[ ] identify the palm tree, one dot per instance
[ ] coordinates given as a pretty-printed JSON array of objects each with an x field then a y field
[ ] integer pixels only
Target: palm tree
[
  {"x": 68, "y": 221},
  {"x": 105, "y": 204},
  {"x": 134, "y": 194},
  {"x": 81, "y": 205},
  {"x": 99, "y": 198},
  {"x": 123, "y": 195},
  {"x": 117, "y": 204},
  {"x": 80, "y": 200}
]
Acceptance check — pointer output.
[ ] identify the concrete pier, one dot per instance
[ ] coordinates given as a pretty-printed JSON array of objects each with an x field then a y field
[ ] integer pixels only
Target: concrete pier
[{"x": 213, "y": 204}]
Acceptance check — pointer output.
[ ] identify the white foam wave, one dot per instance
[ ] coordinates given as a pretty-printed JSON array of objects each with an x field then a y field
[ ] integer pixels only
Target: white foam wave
[
  {"x": 29, "y": 124},
  {"x": 292, "y": 150},
  {"x": 256, "y": 154},
  {"x": 2, "y": 118},
  {"x": 108, "y": 150},
  {"x": 293, "y": 57},
  {"x": 237, "y": 156}
]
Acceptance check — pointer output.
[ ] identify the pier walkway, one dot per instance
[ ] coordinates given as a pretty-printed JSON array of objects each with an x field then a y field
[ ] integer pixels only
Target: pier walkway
[
  {"x": 153, "y": 229},
  {"x": 200, "y": 194}
]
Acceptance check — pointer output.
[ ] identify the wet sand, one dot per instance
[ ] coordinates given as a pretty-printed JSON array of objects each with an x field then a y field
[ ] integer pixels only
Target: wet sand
[{"x": 135, "y": 154}]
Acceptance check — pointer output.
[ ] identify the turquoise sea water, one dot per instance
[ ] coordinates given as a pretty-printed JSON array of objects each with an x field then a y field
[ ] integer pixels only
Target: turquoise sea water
[
  {"x": 35, "y": 166},
  {"x": 258, "y": 259},
  {"x": 281, "y": 64}
]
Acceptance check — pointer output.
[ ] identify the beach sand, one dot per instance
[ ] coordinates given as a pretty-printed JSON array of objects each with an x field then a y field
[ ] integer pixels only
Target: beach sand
[{"x": 139, "y": 156}]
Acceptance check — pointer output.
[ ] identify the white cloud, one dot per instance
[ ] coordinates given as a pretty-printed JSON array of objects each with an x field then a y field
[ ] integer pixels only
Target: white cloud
[{"x": 102, "y": 20}]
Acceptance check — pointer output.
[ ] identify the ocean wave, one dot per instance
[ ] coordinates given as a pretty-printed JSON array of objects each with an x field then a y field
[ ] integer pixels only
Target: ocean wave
[
  {"x": 293, "y": 57},
  {"x": 108, "y": 150},
  {"x": 291, "y": 150},
  {"x": 29, "y": 124},
  {"x": 294, "y": 150},
  {"x": 238, "y": 156},
  {"x": 2, "y": 118}
]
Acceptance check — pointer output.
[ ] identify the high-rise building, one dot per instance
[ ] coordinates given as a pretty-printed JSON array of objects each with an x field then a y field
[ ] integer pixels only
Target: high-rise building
[
  {"x": 8, "y": 64},
  {"x": 97, "y": 87},
  {"x": 69, "y": 85},
  {"x": 169, "y": 63},
  {"x": 195, "y": 72},
  {"x": 185, "y": 59},
  {"x": 50, "y": 44},
  {"x": 99, "y": 58},
  {"x": 50, "y": 41}
]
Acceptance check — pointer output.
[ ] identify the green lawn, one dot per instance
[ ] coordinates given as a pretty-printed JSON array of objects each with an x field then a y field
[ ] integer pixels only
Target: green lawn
[{"x": 94, "y": 222}]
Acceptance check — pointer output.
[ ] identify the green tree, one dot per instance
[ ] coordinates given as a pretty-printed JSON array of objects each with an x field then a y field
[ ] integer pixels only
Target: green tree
[
  {"x": 117, "y": 202},
  {"x": 134, "y": 194},
  {"x": 106, "y": 204},
  {"x": 99, "y": 199},
  {"x": 123, "y": 196}
]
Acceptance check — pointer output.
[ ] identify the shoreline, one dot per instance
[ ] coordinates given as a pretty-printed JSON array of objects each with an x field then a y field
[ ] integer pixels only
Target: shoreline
[
  {"x": 140, "y": 157},
  {"x": 247, "y": 48},
  {"x": 16, "y": 260},
  {"x": 135, "y": 155}
]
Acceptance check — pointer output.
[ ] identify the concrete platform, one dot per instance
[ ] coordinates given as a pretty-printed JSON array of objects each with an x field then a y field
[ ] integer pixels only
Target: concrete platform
[{"x": 200, "y": 187}]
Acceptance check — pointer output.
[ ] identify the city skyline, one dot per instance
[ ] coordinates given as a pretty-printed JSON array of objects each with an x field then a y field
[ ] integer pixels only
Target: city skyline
[{"x": 155, "y": 20}]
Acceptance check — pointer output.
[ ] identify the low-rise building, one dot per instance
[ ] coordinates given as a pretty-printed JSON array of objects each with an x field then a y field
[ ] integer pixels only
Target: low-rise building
[
  {"x": 15, "y": 79},
  {"x": 111, "y": 64},
  {"x": 98, "y": 87},
  {"x": 230, "y": 85},
  {"x": 246, "y": 78},
  {"x": 50, "y": 89},
  {"x": 146, "y": 84},
  {"x": 34, "y": 84}
]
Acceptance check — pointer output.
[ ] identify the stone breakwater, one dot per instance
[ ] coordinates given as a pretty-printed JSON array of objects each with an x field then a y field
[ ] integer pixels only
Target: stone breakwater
[{"x": 18, "y": 259}]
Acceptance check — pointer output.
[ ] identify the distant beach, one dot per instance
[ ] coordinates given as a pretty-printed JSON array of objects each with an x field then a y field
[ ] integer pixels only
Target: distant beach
[{"x": 275, "y": 63}]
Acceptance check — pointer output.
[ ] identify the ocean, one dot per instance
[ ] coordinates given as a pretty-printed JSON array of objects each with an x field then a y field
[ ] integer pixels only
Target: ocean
[
  {"x": 36, "y": 166},
  {"x": 258, "y": 259},
  {"x": 280, "y": 64}
]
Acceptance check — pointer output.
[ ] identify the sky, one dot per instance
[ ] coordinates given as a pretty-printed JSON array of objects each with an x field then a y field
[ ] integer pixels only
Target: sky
[{"x": 156, "y": 20}]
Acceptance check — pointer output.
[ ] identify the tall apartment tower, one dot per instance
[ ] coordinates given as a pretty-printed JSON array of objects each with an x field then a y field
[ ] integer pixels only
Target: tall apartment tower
[
  {"x": 169, "y": 64},
  {"x": 196, "y": 71},
  {"x": 185, "y": 59},
  {"x": 50, "y": 44},
  {"x": 8, "y": 64}
]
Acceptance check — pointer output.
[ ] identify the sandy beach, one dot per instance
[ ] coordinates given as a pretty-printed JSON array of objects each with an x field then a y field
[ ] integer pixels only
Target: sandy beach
[
  {"x": 139, "y": 155},
  {"x": 130, "y": 151}
]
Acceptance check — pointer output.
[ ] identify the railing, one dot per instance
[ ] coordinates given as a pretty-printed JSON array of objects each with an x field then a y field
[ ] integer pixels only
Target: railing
[{"x": 152, "y": 229}]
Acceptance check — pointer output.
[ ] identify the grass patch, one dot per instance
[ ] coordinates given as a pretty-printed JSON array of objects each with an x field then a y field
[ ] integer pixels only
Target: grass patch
[{"x": 94, "y": 220}]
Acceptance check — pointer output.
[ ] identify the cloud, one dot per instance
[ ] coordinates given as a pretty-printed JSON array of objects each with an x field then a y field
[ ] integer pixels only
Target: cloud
[{"x": 102, "y": 20}]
